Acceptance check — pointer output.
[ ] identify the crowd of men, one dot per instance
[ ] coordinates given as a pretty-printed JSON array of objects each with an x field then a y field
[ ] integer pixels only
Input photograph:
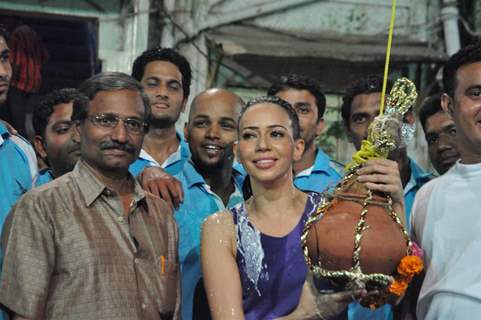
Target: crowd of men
[{"x": 89, "y": 237}]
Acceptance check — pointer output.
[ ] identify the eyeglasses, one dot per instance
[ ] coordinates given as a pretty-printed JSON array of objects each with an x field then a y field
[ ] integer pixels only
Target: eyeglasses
[{"x": 110, "y": 121}]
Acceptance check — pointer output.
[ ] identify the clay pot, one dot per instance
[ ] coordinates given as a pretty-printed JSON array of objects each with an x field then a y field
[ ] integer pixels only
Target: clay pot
[{"x": 330, "y": 239}]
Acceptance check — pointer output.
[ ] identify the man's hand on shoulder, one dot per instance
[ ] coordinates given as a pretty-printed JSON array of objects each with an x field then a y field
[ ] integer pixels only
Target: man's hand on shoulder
[
  {"x": 158, "y": 182},
  {"x": 10, "y": 128}
]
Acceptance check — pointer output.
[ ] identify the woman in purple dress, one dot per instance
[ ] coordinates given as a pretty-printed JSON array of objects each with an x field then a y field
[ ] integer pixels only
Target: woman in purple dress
[{"x": 251, "y": 256}]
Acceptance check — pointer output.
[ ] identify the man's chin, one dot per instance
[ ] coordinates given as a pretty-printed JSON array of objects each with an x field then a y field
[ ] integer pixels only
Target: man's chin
[
  {"x": 161, "y": 122},
  {"x": 209, "y": 164}
]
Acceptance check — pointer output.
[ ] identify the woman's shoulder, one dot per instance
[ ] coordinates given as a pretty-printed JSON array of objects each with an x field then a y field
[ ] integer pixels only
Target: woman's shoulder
[
  {"x": 220, "y": 220},
  {"x": 219, "y": 229}
]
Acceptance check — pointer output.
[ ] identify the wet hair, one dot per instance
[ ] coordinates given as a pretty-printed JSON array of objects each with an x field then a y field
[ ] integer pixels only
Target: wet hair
[
  {"x": 46, "y": 106},
  {"x": 467, "y": 55},
  {"x": 164, "y": 54},
  {"x": 291, "y": 113},
  {"x": 369, "y": 84},
  {"x": 294, "y": 81},
  {"x": 430, "y": 106},
  {"x": 107, "y": 81}
]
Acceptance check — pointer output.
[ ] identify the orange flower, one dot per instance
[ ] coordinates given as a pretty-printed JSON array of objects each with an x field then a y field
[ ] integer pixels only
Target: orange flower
[
  {"x": 399, "y": 286},
  {"x": 410, "y": 266}
]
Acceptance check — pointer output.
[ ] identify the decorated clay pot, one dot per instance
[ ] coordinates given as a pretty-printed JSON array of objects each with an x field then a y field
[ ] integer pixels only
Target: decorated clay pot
[{"x": 355, "y": 212}]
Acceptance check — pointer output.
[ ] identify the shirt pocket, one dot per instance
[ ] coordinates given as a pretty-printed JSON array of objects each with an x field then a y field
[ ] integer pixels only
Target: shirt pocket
[{"x": 168, "y": 273}]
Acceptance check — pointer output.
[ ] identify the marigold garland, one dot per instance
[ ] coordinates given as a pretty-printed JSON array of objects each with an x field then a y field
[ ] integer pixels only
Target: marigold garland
[{"x": 408, "y": 267}]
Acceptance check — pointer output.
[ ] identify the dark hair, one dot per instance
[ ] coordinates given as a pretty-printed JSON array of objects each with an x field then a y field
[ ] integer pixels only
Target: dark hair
[
  {"x": 430, "y": 106},
  {"x": 3, "y": 32},
  {"x": 467, "y": 55},
  {"x": 107, "y": 81},
  {"x": 294, "y": 81},
  {"x": 164, "y": 54},
  {"x": 281, "y": 103},
  {"x": 369, "y": 84},
  {"x": 43, "y": 110}
]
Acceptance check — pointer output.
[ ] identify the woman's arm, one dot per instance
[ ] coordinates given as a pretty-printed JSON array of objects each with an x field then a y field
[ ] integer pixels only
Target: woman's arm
[{"x": 219, "y": 266}]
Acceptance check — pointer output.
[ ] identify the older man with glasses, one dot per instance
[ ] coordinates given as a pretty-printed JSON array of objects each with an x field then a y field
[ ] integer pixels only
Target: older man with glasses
[{"x": 92, "y": 244}]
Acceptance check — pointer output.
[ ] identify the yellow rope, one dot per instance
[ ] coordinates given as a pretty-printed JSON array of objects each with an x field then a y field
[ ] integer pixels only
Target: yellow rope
[
  {"x": 388, "y": 55},
  {"x": 368, "y": 151}
]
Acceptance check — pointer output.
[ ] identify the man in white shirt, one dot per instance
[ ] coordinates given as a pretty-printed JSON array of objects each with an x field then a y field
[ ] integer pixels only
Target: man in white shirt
[{"x": 446, "y": 220}]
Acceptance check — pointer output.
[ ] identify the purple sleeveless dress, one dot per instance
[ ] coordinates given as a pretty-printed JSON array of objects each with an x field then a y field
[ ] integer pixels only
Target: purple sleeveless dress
[{"x": 272, "y": 269}]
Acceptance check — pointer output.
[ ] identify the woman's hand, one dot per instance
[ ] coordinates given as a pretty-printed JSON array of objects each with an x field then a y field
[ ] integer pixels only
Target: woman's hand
[
  {"x": 383, "y": 175},
  {"x": 316, "y": 305}
]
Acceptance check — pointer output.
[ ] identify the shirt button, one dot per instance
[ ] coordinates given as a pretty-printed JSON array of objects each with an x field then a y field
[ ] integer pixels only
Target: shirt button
[
  {"x": 136, "y": 260},
  {"x": 120, "y": 219},
  {"x": 144, "y": 306}
]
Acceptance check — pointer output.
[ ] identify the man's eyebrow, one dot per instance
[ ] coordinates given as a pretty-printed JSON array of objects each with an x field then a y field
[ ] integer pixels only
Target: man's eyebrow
[
  {"x": 63, "y": 122},
  {"x": 201, "y": 115},
  {"x": 474, "y": 86},
  {"x": 301, "y": 103},
  {"x": 227, "y": 119},
  {"x": 360, "y": 113}
]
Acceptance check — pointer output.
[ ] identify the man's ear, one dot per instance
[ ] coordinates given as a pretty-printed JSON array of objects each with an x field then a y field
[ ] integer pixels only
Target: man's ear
[
  {"x": 320, "y": 126},
  {"x": 447, "y": 104},
  {"x": 39, "y": 146},
  {"x": 184, "y": 103},
  {"x": 76, "y": 131},
  {"x": 298, "y": 149}
]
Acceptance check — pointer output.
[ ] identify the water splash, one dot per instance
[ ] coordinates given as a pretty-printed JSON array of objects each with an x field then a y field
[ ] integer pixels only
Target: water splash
[{"x": 250, "y": 246}]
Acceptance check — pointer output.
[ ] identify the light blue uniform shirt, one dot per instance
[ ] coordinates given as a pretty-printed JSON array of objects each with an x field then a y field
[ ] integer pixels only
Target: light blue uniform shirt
[
  {"x": 16, "y": 172},
  {"x": 323, "y": 174},
  {"x": 44, "y": 176},
  {"x": 199, "y": 203},
  {"x": 172, "y": 165},
  {"x": 418, "y": 178}
]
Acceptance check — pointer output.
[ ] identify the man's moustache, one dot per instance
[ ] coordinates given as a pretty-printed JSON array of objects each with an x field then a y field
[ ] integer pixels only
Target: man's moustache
[{"x": 127, "y": 147}]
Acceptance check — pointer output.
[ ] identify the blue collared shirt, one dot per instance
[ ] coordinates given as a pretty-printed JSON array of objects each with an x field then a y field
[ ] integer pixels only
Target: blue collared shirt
[
  {"x": 172, "y": 165},
  {"x": 324, "y": 174},
  {"x": 418, "y": 178},
  {"x": 44, "y": 176},
  {"x": 199, "y": 203},
  {"x": 16, "y": 172}
]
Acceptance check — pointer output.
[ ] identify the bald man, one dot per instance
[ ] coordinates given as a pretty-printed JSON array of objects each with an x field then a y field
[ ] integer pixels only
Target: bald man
[{"x": 209, "y": 182}]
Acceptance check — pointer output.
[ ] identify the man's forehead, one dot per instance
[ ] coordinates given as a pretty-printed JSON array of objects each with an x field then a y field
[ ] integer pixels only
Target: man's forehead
[
  {"x": 117, "y": 101},
  {"x": 438, "y": 121},
  {"x": 216, "y": 109},
  {"x": 295, "y": 93},
  {"x": 366, "y": 102},
  {"x": 468, "y": 72},
  {"x": 162, "y": 69}
]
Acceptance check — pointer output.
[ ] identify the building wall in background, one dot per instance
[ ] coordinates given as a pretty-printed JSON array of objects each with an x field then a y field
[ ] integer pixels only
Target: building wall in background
[{"x": 122, "y": 30}]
